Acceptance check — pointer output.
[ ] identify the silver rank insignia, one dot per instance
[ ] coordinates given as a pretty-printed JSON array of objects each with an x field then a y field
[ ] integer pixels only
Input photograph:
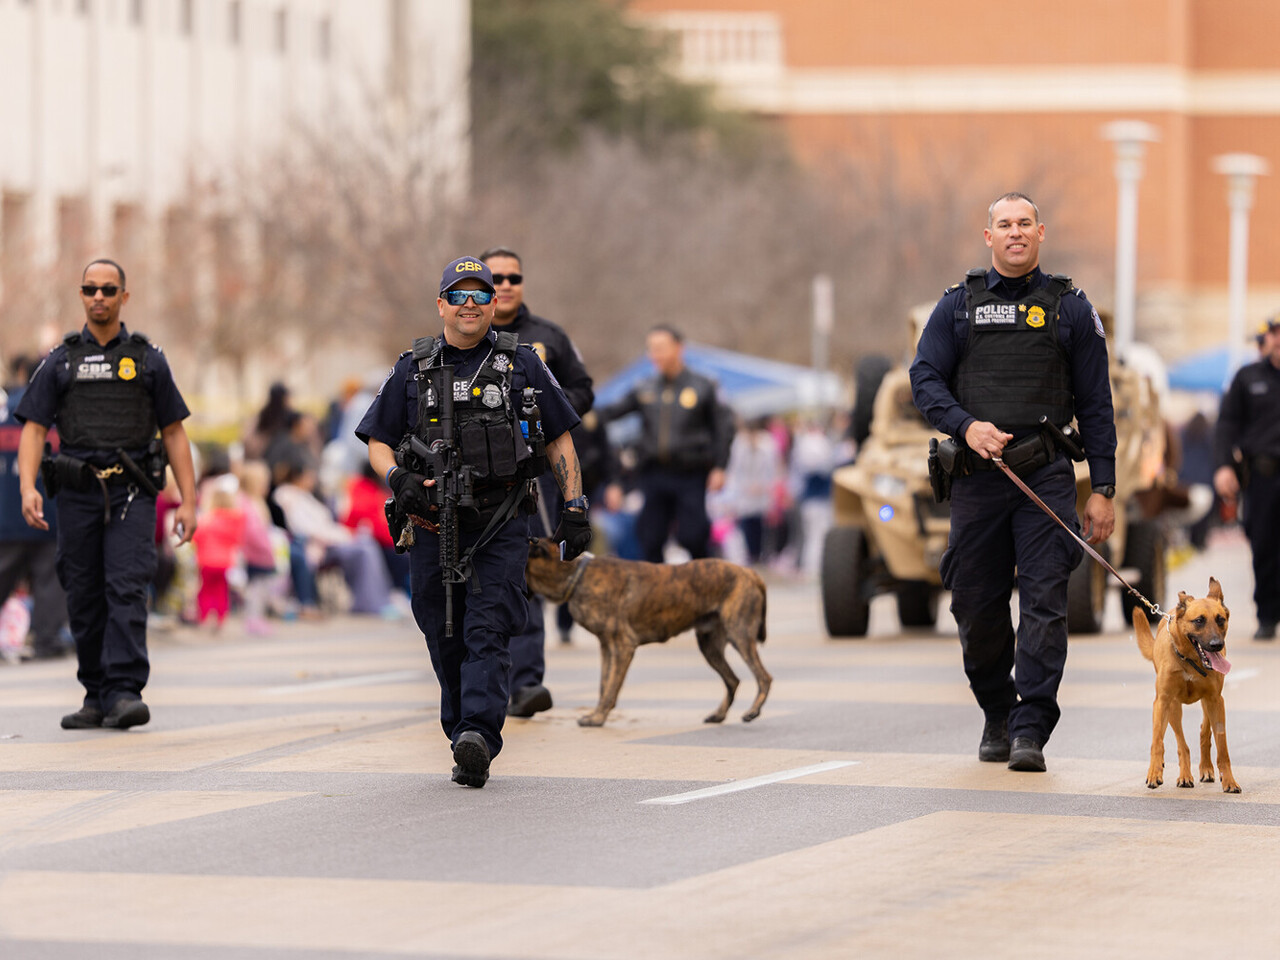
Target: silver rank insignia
[{"x": 492, "y": 396}]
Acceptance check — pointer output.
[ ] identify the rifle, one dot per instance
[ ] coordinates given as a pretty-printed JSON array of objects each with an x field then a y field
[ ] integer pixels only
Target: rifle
[{"x": 452, "y": 490}]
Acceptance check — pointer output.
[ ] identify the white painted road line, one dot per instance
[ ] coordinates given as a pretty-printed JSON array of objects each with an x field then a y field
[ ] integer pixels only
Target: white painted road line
[
  {"x": 751, "y": 782},
  {"x": 365, "y": 680}
]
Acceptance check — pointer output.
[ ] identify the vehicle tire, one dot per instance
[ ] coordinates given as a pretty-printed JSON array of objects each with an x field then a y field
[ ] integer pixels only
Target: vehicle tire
[
  {"x": 917, "y": 604},
  {"x": 867, "y": 375},
  {"x": 1145, "y": 550},
  {"x": 1087, "y": 594},
  {"x": 844, "y": 568}
]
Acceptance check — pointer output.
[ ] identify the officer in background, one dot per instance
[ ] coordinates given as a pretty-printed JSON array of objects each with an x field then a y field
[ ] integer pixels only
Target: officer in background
[
  {"x": 1247, "y": 451},
  {"x": 107, "y": 391},
  {"x": 683, "y": 451},
  {"x": 24, "y": 551},
  {"x": 468, "y": 626},
  {"x": 556, "y": 350},
  {"x": 1006, "y": 347}
]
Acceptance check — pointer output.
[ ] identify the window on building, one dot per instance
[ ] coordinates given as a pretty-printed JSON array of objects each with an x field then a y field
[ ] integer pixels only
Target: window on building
[
  {"x": 137, "y": 11},
  {"x": 233, "y": 22},
  {"x": 324, "y": 39},
  {"x": 187, "y": 17},
  {"x": 282, "y": 30}
]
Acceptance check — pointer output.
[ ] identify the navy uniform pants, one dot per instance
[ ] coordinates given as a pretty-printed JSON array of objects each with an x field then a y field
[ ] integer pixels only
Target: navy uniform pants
[
  {"x": 676, "y": 497},
  {"x": 472, "y": 666},
  {"x": 995, "y": 530},
  {"x": 1261, "y": 520},
  {"x": 528, "y": 647},
  {"x": 105, "y": 569}
]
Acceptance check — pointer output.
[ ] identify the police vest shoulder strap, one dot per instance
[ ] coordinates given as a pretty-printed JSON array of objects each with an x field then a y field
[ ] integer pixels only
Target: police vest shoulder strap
[
  {"x": 507, "y": 342},
  {"x": 140, "y": 338},
  {"x": 424, "y": 348},
  {"x": 975, "y": 281},
  {"x": 72, "y": 338},
  {"x": 1059, "y": 284}
]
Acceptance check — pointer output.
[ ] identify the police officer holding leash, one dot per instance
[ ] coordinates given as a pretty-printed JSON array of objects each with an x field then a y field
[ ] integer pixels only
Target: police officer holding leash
[
  {"x": 107, "y": 390},
  {"x": 459, "y": 429},
  {"x": 1006, "y": 361}
]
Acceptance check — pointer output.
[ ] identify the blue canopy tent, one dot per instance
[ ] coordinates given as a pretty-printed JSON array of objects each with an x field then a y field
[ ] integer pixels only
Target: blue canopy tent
[
  {"x": 753, "y": 386},
  {"x": 1206, "y": 371}
]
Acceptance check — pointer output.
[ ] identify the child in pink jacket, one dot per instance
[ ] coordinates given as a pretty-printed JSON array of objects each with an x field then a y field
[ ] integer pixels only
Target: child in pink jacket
[{"x": 218, "y": 539}]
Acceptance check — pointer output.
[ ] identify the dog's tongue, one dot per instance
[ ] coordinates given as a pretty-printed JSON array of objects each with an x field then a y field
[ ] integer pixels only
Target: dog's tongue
[{"x": 1218, "y": 662}]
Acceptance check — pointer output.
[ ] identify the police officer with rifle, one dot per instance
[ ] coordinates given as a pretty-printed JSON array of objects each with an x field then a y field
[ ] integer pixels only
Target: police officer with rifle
[
  {"x": 1007, "y": 360},
  {"x": 107, "y": 391},
  {"x": 461, "y": 427}
]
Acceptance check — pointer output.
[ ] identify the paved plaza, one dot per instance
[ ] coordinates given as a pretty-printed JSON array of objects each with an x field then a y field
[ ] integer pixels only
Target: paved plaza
[{"x": 291, "y": 799}]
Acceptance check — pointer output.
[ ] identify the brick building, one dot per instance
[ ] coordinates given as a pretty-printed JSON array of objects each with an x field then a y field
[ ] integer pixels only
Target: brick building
[{"x": 1018, "y": 94}]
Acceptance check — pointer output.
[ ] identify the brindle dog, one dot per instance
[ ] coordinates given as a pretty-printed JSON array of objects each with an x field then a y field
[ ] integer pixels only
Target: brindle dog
[
  {"x": 1190, "y": 666},
  {"x": 627, "y": 602}
]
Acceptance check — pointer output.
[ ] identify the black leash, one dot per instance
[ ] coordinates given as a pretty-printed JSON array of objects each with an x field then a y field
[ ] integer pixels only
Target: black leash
[{"x": 1153, "y": 607}]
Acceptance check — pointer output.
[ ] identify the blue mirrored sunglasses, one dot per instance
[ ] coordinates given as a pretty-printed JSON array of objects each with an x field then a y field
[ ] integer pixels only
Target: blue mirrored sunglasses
[{"x": 456, "y": 298}]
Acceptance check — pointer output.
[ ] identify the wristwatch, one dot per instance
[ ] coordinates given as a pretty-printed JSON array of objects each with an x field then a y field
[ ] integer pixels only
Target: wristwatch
[
  {"x": 577, "y": 503},
  {"x": 1108, "y": 490}
]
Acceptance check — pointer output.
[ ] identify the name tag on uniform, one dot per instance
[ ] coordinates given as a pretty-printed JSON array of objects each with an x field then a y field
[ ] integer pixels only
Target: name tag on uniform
[{"x": 995, "y": 315}]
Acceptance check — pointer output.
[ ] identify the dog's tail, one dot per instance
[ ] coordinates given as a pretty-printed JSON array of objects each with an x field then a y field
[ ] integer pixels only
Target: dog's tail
[
  {"x": 1142, "y": 630},
  {"x": 764, "y": 603},
  {"x": 764, "y": 608}
]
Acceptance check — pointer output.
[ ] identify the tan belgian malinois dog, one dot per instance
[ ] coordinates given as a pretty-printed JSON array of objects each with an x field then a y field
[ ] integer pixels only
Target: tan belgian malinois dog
[
  {"x": 626, "y": 603},
  {"x": 1190, "y": 666}
]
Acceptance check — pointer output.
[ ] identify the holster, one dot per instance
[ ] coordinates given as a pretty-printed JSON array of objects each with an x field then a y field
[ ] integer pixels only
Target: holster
[
  {"x": 939, "y": 479},
  {"x": 398, "y": 524},
  {"x": 953, "y": 458},
  {"x": 66, "y": 472}
]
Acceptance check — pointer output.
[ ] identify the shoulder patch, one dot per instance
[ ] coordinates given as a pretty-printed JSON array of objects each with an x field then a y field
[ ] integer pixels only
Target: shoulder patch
[{"x": 1097, "y": 324}]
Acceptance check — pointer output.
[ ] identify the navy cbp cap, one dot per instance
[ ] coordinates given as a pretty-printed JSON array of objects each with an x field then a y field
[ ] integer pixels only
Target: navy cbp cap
[{"x": 465, "y": 268}]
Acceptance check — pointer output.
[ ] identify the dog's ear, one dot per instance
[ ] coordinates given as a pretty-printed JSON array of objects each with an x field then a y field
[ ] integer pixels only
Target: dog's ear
[
  {"x": 1183, "y": 597},
  {"x": 1215, "y": 590}
]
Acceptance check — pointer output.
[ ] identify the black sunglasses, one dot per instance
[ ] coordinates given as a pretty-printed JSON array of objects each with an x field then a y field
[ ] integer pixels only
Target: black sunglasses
[
  {"x": 515, "y": 279},
  {"x": 109, "y": 290}
]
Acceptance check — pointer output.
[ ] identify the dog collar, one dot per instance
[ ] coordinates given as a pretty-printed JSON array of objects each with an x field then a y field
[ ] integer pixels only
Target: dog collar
[
  {"x": 578, "y": 571},
  {"x": 1203, "y": 659}
]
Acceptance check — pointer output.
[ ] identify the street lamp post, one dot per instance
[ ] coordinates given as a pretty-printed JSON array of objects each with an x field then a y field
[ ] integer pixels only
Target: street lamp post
[
  {"x": 1240, "y": 169},
  {"x": 1130, "y": 138}
]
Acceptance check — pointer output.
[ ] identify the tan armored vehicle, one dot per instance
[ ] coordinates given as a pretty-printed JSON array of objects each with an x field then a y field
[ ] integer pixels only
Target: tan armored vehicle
[{"x": 889, "y": 534}]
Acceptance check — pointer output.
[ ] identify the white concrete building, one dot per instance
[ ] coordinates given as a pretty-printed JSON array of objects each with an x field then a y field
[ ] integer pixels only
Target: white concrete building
[
  {"x": 112, "y": 110},
  {"x": 122, "y": 102}
]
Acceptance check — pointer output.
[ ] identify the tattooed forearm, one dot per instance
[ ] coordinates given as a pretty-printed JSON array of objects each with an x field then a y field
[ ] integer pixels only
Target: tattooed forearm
[{"x": 563, "y": 460}]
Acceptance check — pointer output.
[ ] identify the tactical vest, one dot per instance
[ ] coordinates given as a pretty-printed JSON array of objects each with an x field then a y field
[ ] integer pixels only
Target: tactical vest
[
  {"x": 486, "y": 424},
  {"x": 1014, "y": 369},
  {"x": 107, "y": 406}
]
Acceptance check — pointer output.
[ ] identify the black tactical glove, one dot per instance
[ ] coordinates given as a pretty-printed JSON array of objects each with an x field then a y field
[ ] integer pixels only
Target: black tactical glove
[
  {"x": 574, "y": 532},
  {"x": 411, "y": 495}
]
